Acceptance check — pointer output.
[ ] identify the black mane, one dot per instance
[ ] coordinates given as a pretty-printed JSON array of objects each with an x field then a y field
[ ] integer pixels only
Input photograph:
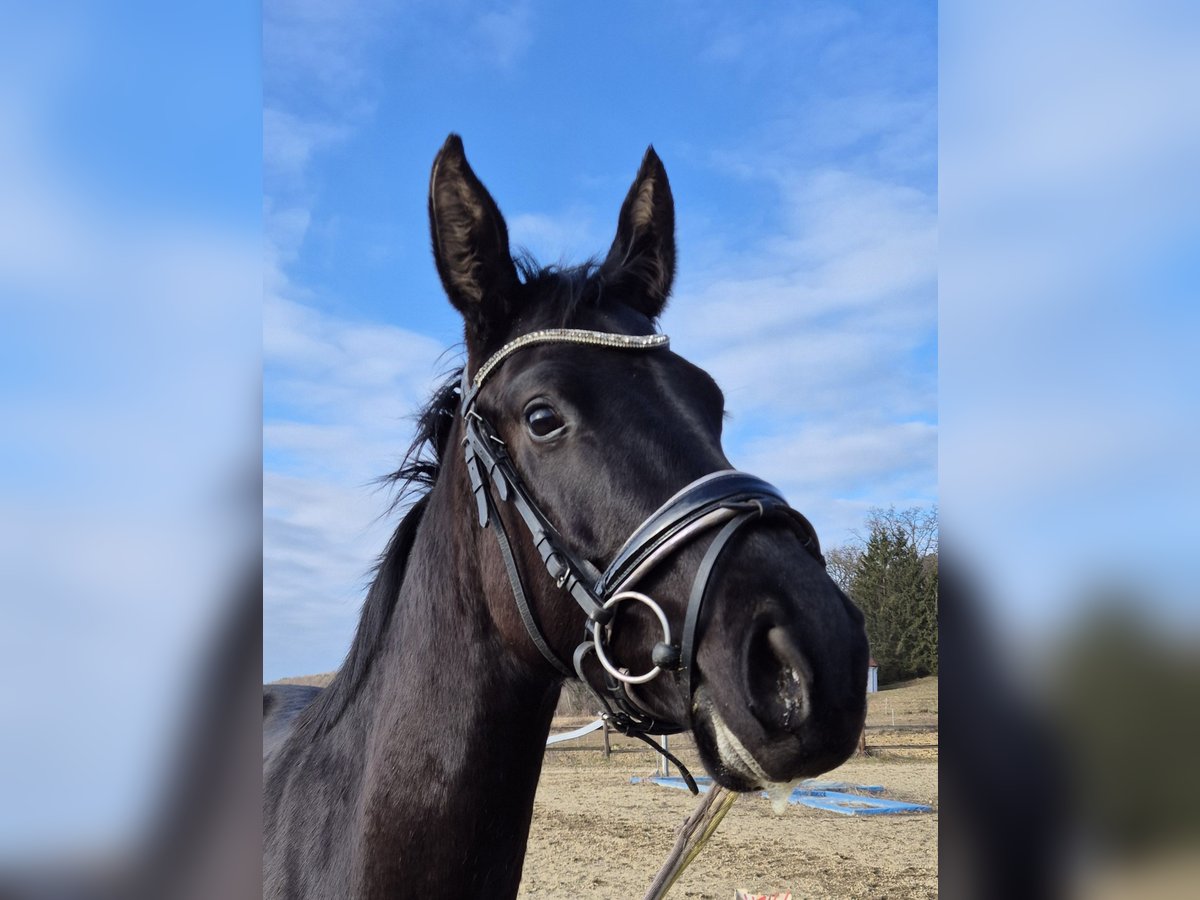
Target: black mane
[
  {"x": 559, "y": 291},
  {"x": 422, "y": 462}
]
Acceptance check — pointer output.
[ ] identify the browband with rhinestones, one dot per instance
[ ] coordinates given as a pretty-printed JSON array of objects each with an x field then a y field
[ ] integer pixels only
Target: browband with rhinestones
[{"x": 569, "y": 336}]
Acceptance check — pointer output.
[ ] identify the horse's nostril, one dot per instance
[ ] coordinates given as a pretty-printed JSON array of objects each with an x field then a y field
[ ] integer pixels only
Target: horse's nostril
[
  {"x": 778, "y": 679},
  {"x": 793, "y": 679},
  {"x": 785, "y": 649}
]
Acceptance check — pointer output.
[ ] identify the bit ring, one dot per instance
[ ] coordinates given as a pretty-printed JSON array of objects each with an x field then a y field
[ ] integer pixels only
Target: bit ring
[{"x": 599, "y": 632}]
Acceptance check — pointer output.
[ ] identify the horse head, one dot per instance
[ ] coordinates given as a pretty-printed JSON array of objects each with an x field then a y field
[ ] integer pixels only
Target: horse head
[{"x": 595, "y": 452}]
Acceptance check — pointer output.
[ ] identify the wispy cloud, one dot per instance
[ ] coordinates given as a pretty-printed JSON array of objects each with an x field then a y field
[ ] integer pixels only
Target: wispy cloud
[
  {"x": 822, "y": 332},
  {"x": 316, "y": 94},
  {"x": 505, "y": 33},
  {"x": 320, "y": 46},
  {"x": 339, "y": 394},
  {"x": 824, "y": 319},
  {"x": 319, "y": 539},
  {"x": 290, "y": 141},
  {"x": 835, "y": 471},
  {"x": 749, "y": 40},
  {"x": 828, "y": 460},
  {"x": 569, "y": 235}
]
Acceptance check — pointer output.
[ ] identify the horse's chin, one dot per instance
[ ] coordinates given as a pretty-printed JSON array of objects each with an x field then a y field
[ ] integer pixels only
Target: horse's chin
[
  {"x": 725, "y": 756},
  {"x": 742, "y": 757},
  {"x": 727, "y": 760}
]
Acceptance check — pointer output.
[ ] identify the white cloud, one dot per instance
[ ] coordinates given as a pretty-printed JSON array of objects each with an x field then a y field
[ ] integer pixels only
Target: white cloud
[
  {"x": 320, "y": 539},
  {"x": 749, "y": 41},
  {"x": 837, "y": 459},
  {"x": 339, "y": 396},
  {"x": 319, "y": 46},
  {"x": 505, "y": 34},
  {"x": 821, "y": 338},
  {"x": 834, "y": 471},
  {"x": 289, "y": 142},
  {"x": 569, "y": 235},
  {"x": 825, "y": 317}
]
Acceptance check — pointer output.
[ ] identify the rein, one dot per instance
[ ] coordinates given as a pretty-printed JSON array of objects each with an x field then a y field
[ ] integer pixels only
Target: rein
[{"x": 727, "y": 499}]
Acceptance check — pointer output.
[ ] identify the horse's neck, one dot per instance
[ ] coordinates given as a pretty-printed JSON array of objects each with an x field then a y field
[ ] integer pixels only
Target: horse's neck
[{"x": 454, "y": 744}]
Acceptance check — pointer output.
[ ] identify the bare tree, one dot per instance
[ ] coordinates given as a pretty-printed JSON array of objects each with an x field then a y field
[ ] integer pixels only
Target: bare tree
[
  {"x": 919, "y": 524},
  {"x": 842, "y": 563}
]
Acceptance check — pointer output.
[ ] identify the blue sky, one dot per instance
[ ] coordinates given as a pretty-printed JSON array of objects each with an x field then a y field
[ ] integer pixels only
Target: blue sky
[{"x": 801, "y": 144}]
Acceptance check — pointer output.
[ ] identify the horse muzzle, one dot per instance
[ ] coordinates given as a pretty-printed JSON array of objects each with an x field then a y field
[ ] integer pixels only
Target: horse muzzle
[{"x": 780, "y": 707}]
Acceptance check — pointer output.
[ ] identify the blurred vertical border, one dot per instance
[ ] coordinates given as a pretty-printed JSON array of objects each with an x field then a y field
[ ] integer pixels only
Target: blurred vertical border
[
  {"x": 1068, "y": 279},
  {"x": 130, "y": 371}
]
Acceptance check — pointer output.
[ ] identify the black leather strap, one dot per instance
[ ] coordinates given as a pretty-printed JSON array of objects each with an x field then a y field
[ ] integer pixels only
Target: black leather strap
[
  {"x": 621, "y": 715},
  {"x": 574, "y": 576},
  {"x": 726, "y": 490},
  {"x": 659, "y": 748},
  {"x": 620, "y": 710},
  {"x": 687, "y": 644},
  {"x": 518, "y": 589}
]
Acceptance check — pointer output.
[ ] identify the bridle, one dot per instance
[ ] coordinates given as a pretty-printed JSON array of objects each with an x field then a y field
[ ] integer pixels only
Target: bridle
[{"x": 727, "y": 499}]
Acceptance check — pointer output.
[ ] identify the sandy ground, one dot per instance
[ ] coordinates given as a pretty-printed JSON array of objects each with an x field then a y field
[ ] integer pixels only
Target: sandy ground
[{"x": 597, "y": 835}]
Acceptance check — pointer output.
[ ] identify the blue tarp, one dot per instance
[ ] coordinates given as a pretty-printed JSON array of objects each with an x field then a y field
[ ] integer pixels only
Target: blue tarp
[{"x": 834, "y": 796}]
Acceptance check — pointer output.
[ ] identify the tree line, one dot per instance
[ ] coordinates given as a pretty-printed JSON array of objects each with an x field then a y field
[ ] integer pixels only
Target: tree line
[{"x": 891, "y": 572}]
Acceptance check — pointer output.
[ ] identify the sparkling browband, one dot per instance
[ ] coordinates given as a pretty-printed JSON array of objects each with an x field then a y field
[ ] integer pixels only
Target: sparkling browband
[{"x": 569, "y": 336}]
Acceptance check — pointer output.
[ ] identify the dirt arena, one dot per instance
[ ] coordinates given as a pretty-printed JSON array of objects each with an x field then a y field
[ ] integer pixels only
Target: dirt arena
[{"x": 596, "y": 835}]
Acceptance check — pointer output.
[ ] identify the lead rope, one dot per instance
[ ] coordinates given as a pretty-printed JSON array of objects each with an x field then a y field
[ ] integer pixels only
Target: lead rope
[{"x": 690, "y": 838}]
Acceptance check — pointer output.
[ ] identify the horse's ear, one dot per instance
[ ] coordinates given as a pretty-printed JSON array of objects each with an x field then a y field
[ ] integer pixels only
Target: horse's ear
[
  {"x": 470, "y": 244},
  {"x": 642, "y": 257}
]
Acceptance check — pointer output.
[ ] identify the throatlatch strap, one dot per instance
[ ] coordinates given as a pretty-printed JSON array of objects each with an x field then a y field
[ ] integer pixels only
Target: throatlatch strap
[{"x": 518, "y": 589}]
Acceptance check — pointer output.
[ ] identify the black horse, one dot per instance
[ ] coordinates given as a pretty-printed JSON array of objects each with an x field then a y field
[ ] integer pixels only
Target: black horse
[{"x": 580, "y": 443}]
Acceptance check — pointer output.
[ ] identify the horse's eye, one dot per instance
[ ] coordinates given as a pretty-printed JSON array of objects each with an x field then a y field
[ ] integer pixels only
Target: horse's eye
[{"x": 542, "y": 420}]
